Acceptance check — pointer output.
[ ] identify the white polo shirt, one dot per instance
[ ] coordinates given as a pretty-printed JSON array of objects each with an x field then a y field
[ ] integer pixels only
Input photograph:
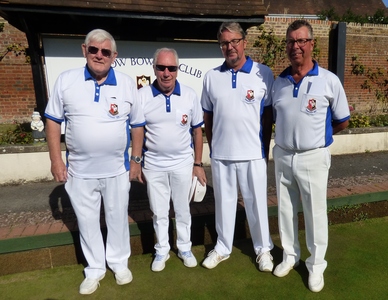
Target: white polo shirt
[
  {"x": 304, "y": 111},
  {"x": 170, "y": 119},
  {"x": 237, "y": 100},
  {"x": 97, "y": 119}
]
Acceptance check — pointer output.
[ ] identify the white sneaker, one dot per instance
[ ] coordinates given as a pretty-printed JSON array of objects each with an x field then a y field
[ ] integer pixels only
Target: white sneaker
[
  {"x": 284, "y": 268},
  {"x": 213, "y": 259},
  {"x": 188, "y": 258},
  {"x": 90, "y": 285},
  {"x": 316, "y": 282},
  {"x": 159, "y": 262},
  {"x": 265, "y": 262},
  {"x": 123, "y": 277}
]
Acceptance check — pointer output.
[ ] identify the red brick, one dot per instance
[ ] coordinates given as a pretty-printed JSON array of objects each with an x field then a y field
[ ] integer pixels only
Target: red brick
[
  {"x": 29, "y": 230},
  {"x": 42, "y": 229},
  {"x": 15, "y": 232},
  {"x": 4, "y": 231},
  {"x": 55, "y": 228}
]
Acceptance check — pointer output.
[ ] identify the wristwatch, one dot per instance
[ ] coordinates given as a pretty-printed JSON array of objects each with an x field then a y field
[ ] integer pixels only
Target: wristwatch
[{"x": 136, "y": 159}]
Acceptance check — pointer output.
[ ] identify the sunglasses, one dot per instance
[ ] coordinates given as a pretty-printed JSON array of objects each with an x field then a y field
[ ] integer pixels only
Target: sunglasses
[
  {"x": 104, "y": 52},
  {"x": 170, "y": 68}
]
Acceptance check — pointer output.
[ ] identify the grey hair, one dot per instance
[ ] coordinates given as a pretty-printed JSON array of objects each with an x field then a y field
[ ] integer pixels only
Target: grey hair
[
  {"x": 298, "y": 24},
  {"x": 160, "y": 50},
  {"x": 232, "y": 27},
  {"x": 99, "y": 36}
]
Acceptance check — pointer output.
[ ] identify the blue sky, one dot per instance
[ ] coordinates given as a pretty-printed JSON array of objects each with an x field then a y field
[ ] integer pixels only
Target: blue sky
[{"x": 385, "y": 2}]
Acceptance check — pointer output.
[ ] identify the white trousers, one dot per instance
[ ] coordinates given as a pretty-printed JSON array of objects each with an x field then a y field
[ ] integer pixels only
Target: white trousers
[
  {"x": 302, "y": 176},
  {"x": 85, "y": 196},
  {"x": 163, "y": 187},
  {"x": 251, "y": 177}
]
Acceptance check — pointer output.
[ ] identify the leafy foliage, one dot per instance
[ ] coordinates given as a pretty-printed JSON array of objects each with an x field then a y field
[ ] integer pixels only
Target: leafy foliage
[
  {"x": 348, "y": 17},
  {"x": 358, "y": 120},
  {"x": 376, "y": 80},
  {"x": 21, "y": 135},
  {"x": 379, "y": 120},
  {"x": 16, "y": 49},
  {"x": 271, "y": 47}
]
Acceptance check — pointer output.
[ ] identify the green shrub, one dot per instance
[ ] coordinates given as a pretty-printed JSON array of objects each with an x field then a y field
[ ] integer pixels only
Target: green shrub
[
  {"x": 379, "y": 120},
  {"x": 358, "y": 120},
  {"x": 20, "y": 135}
]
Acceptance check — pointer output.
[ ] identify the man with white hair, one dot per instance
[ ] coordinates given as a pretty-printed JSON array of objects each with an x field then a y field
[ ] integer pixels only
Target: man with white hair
[{"x": 97, "y": 104}]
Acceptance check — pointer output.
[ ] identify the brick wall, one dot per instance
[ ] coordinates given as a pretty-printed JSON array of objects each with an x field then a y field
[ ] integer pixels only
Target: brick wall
[
  {"x": 368, "y": 42},
  {"x": 17, "y": 96}
]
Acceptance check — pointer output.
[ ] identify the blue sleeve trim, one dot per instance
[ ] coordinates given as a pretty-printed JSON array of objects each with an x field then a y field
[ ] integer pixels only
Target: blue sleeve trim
[
  {"x": 138, "y": 125},
  {"x": 54, "y": 119},
  {"x": 207, "y": 111},
  {"x": 342, "y": 120},
  {"x": 198, "y": 125}
]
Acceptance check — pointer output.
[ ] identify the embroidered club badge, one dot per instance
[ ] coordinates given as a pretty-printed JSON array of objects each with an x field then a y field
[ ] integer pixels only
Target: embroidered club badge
[
  {"x": 311, "y": 106},
  {"x": 250, "y": 95},
  {"x": 114, "y": 109},
  {"x": 184, "y": 119}
]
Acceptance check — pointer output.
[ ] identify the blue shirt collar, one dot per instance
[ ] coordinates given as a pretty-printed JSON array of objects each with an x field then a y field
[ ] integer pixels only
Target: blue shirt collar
[
  {"x": 110, "y": 79},
  {"x": 313, "y": 72},
  {"x": 246, "y": 68},
  {"x": 156, "y": 91}
]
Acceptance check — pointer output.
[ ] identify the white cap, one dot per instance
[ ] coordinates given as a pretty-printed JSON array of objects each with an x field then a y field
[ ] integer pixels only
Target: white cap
[{"x": 197, "y": 191}]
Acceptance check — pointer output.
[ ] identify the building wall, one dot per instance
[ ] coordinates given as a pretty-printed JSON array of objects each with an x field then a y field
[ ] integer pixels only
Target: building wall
[
  {"x": 17, "y": 96},
  {"x": 368, "y": 42}
]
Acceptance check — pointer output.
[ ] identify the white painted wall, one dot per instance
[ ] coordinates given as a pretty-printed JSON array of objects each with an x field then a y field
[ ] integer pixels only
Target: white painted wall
[{"x": 22, "y": 167}]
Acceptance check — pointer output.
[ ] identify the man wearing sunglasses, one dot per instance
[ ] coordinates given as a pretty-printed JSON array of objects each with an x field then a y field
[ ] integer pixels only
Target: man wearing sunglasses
[
  {"x": 238, "y": 124},
  {"x": 97, "y": 104},
  {"x": 310, "y": 106},
  {"x": 173, "y": 154}
]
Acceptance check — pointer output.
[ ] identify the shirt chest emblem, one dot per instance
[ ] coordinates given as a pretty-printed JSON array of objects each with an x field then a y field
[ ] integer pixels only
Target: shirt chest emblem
[
  {"x": 114, "y": 109},
  {"x": 311, "y": 106},
  {"x": 250, "y": 95},
  {"x": 184, "y": 119}
]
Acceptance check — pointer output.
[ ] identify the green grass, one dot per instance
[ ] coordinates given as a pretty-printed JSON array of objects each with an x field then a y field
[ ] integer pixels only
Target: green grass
[{"x": 357, "y": 269}]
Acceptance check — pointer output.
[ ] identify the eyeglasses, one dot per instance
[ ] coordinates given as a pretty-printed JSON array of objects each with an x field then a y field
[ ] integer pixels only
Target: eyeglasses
[
  {"x": 234, "y": 43},
  {"x": 104, "y": 52},
  {"x": 162, "y": 68},
  {"x": 299, "y": 42}
]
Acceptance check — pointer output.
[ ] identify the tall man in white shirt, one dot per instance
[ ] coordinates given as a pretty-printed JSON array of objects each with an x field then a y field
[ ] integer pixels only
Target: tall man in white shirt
[
  {"x": 310, "y": 106},
  {"x": 238, "y": 125},
  {"x": 97, "y": 105}
]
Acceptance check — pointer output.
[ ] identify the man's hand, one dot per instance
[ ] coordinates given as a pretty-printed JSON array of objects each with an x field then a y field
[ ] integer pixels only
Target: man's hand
[
  {"x": 201, "y": 175},
  {"x": 59, "y": 171},
  {"x": 135, "y": 173}
]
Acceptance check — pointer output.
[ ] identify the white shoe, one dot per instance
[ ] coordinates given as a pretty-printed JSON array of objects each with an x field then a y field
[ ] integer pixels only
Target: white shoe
[
  {"x": 188, "y": 258},
  {"x": 159, "y": 262},
  {"x": 123, "y": 277},
  {"x": 284, "y": 268},
  {"x": 90, "y": 285},
  {"x": 213, "y": 259},
  {"x": 265, "y": 262},
  {"x": 316, "y": 282}
]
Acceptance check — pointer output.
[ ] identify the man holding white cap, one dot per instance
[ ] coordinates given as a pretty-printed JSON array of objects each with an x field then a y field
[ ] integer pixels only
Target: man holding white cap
[{"x": 173, "y": 154}]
